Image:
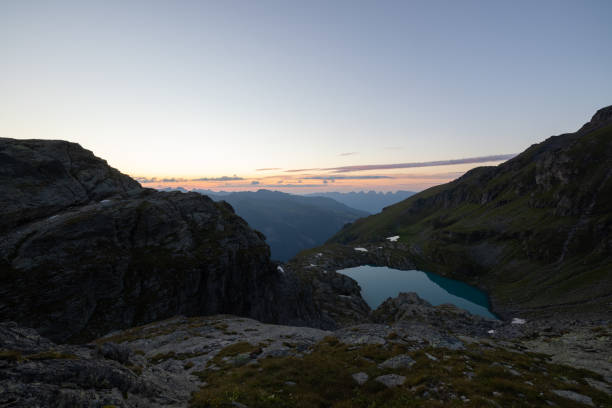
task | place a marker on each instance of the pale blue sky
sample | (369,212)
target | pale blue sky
(213,88)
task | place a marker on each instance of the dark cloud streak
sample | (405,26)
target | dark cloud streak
(224,178)
(346,177)
(469,160)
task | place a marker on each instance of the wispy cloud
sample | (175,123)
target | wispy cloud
(269,168)
(275,186)
(146,180)
(348,154)
(300,170)
(365,167)
(469,160)
(346,177)
(254,182)
(224,178)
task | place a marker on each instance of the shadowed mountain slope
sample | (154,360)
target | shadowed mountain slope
(535,231)
(371,202)
(291,223)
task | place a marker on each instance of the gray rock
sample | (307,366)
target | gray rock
(391,380)
(574,396)
(41,178)
(360,378)
(514,372)
(410,307)
(115,352)
(599,385)
(399,361)
(68,376)
(364,334)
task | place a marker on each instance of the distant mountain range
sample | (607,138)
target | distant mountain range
(291,223)
(371,202)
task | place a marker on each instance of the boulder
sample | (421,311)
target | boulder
(391,380)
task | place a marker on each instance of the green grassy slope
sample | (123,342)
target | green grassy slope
(534,231)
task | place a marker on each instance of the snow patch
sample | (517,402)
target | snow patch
(361,249)
(393,238)
(280,269)
(491,332)
(516,320)
(319,255)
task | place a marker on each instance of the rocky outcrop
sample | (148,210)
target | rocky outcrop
(151,366)
(410,307)
(84,250)
(35,372)
(39,178)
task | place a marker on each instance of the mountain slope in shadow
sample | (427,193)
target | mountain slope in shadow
(291,223)
(534,232)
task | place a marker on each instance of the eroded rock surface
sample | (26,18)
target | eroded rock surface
(39,178)
(150,366)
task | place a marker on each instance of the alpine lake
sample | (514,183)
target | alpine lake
(379,283)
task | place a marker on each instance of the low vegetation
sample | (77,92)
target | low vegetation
(480,376)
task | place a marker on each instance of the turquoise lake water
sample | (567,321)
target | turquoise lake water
(379,283)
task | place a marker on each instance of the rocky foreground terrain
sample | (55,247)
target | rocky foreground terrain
(416,355)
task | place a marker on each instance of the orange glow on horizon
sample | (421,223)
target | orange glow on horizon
(308,182)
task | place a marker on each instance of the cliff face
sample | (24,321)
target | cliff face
(535,231)
(85,250)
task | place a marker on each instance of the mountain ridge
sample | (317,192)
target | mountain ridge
(291,223)
(371,201)
(546,210)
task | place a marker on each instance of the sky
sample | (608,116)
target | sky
(235,95)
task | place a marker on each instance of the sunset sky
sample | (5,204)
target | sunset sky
(235,95)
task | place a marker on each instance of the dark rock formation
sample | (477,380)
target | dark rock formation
(35,372)
(85,250)
(410,307)
(39,178)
